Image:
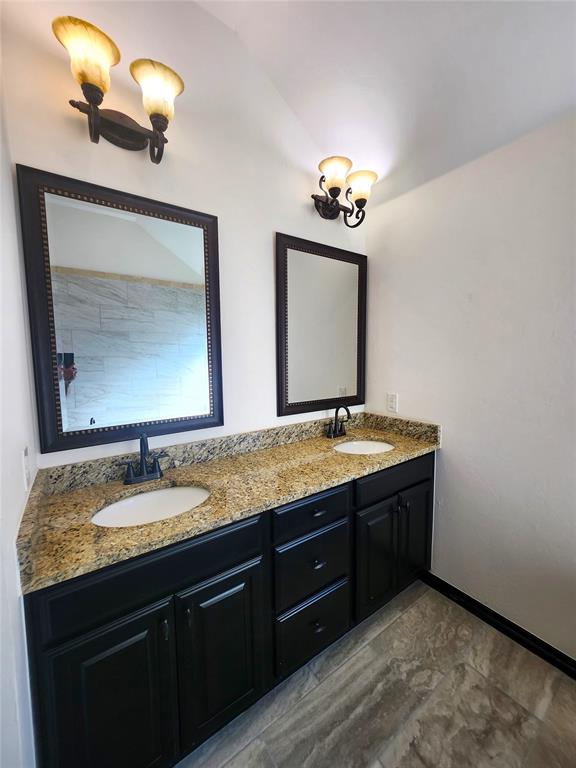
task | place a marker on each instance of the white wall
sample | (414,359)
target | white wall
(235,150)
(18,429)
(471,320)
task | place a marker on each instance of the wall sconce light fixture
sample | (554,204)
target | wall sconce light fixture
(92,54)
(336,177)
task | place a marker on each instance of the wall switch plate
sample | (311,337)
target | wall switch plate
(392,402)
(26,468)
(342,391)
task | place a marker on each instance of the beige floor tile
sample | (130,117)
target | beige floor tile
(236,735)
(466,723)
(255,755)
(525,677)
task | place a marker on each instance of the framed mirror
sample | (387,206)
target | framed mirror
(320,326)
(123,298)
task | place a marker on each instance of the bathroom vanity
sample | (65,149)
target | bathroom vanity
(136,663)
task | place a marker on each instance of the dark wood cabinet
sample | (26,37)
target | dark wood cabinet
(110,696)
(221,650)
(414,532)
(393,544)
(134,665)
(376,556)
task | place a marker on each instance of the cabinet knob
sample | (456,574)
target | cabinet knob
(318,564)
(317,628)
(165,629)
(318,513)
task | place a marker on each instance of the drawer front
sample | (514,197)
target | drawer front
(380,485)
(305,630)
(74,607)
(315,512)
(306,565)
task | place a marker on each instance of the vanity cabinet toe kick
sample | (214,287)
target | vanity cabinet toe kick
(135,665)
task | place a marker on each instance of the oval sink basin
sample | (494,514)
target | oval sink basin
(150,507)
(359,447)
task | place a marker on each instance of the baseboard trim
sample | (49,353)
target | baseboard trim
(547,652)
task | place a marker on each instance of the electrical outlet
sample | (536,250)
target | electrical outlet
(392,402)
(342,391)
(26,468)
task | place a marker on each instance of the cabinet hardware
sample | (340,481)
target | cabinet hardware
(317,627)
(319,513)
(188,615)
(165,629)
(318,564)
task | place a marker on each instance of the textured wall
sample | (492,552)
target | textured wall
(471,320)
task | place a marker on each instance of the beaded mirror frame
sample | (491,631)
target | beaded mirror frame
(33,185)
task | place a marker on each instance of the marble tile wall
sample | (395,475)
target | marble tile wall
(139,349)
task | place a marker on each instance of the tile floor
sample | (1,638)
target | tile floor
(421,684)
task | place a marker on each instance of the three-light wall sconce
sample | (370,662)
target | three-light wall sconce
(92,54)
(335,177)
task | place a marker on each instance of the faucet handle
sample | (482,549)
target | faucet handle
(129,470)
(341,428)
(330,430)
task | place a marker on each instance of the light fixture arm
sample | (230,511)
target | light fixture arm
(330,208)
(157,140)
(94,96)
(349,212)
(121,130)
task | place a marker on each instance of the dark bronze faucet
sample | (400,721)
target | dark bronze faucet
(336,428)
(144,470)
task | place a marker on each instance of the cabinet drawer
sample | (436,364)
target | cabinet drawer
(310,514)
(78,605)
(306,565)
(380,485)
(305,630)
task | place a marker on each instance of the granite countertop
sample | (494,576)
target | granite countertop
(58,541)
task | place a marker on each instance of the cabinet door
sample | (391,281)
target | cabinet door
(376,556)
(221,649)
(414,532)
(111,695)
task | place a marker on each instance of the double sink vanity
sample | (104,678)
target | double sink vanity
(145,639)
(166,593)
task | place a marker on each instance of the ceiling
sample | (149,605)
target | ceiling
(410,89)
(413,89)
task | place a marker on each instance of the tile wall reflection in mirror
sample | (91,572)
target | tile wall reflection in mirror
(129,313)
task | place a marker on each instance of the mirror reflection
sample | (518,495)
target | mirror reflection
(322,327)
(129,298)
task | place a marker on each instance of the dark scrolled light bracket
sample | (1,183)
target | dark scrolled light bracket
(329,207)
(336,177)
(120,129)
(92,54)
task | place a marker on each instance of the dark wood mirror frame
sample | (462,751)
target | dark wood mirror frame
(283,243)
(32,185)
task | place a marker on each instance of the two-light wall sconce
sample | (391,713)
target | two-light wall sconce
(336,177)
(92,54)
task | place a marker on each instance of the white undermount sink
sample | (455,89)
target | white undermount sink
(150,507)
(365,447)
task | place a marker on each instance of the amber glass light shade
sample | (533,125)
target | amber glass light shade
(360,182)
(335,169)
(92,52)
(160,85)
